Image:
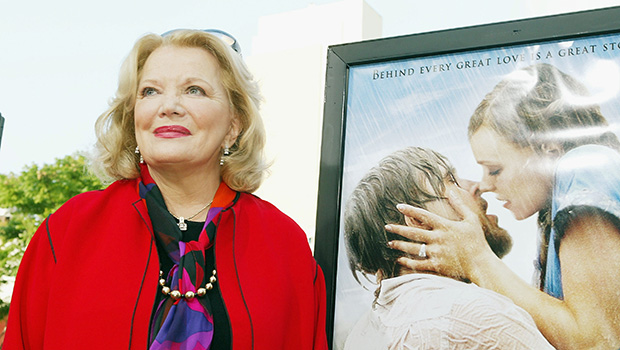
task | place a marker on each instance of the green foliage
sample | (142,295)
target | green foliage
(31,196)
(41,190)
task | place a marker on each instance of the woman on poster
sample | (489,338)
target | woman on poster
(545,149)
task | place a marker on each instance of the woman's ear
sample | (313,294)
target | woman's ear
(233,132)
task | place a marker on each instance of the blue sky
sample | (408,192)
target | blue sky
(59,60)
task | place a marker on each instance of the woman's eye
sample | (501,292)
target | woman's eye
(494,172)
(148,91)
(195,90)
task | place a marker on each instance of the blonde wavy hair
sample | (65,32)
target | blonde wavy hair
(115,157)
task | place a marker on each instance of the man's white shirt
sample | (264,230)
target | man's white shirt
(423,311)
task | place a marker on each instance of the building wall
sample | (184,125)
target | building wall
(289,59)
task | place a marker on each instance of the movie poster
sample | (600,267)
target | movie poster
(428,102)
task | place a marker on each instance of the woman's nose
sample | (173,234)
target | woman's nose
(486,185)
(170,106)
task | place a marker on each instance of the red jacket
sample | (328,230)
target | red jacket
(89,276)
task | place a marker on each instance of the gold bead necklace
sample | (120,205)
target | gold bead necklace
(176,294)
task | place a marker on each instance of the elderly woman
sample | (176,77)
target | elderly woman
(176,253)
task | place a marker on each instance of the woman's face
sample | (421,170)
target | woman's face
(520,177)
(182,112)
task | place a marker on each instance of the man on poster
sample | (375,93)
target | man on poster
(418,310)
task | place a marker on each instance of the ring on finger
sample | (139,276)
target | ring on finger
(422,252)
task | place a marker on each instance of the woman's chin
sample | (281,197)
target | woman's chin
(520,215)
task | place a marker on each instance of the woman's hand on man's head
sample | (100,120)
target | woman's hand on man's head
(453,248)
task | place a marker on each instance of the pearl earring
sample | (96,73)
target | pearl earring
(138,152)
(225,154)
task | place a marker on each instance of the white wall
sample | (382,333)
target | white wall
(289,59)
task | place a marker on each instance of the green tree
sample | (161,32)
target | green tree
(31,196)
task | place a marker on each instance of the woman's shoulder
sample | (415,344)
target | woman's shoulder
(591,154)
(256,210)
(253,203)
(92,200)
(588,162)
(83,209)
(588,176)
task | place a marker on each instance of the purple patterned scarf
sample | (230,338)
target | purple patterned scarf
(185,322)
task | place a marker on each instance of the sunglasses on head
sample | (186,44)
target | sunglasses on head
(222,35)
